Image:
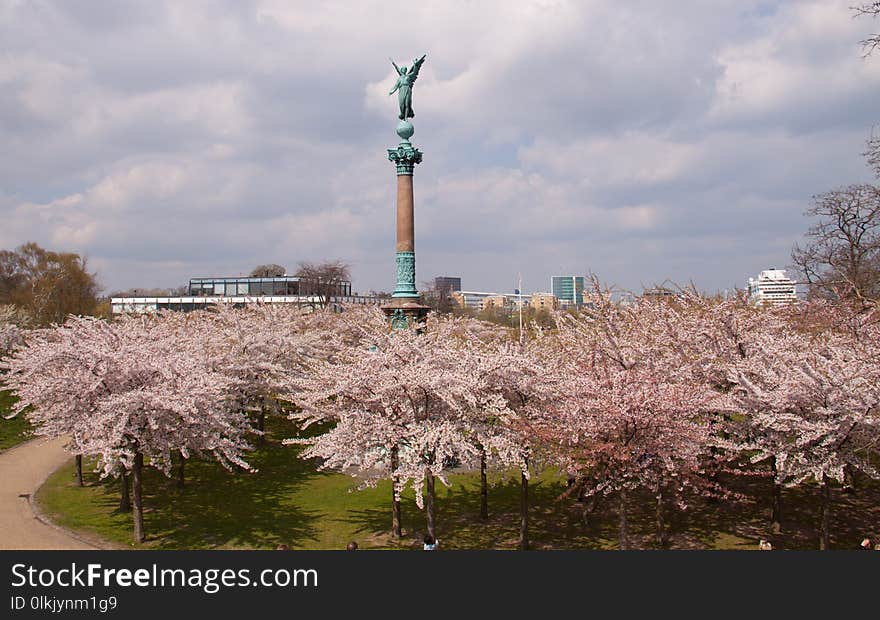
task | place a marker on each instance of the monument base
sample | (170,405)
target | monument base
(406,312)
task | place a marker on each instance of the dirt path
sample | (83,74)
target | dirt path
(22,470)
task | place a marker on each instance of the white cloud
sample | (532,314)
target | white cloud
(641,141)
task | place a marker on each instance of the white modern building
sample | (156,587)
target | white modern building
(137,305)
(240,291)
(773,286)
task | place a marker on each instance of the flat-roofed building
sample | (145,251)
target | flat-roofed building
(240,291)
(497,301)
(471,299)
(773,286)
(569,290)
(661,293)
(256,287)
(544,301)
(447,284)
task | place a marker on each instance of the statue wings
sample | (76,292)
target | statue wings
(414,70)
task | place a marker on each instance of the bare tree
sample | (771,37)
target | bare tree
(868,46)
(324,280)
(142,292)
(872,9)
(841,257)
(873,153)
(270,270)
(438,298)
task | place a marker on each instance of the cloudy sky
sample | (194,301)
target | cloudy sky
(639,140)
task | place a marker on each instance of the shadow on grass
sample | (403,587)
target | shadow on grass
(289,501)
(553,524)
(218,508)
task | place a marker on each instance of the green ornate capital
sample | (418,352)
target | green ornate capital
(399,320)
(405,156)
(406,275)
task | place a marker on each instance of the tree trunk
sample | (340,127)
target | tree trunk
(776,509)
(395,502)
(180,471)
(825,516)
(776,503)
(524,513)
(261,423)
(590,504)
(662,538)
(79,470)
(138,505)
(849,480)
(484,492)
(624,532)
(429,502)
(125,497)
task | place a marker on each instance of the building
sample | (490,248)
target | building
(472,299)
(544,301)
(258,287)
(498,301)
(448,284)
(661,293)
(480,300)
(515,300)
(239,291)
(568,290)
(772,286)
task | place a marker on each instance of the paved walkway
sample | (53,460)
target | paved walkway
(22,470)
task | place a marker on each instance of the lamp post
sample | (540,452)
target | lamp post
(522,339)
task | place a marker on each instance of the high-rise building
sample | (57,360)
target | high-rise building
(448,284)
(772,286)
(569,290)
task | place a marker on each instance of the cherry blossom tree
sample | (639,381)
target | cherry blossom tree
(810,390)
(140,388)
(382,395)
(410,406)
(634,409)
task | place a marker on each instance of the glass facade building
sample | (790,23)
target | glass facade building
(568,289)
(257,287)
(205,292)
(447,283)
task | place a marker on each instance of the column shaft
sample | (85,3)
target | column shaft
(405,214)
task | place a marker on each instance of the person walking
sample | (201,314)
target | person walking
(430,543)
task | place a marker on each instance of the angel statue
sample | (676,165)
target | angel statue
(405,81)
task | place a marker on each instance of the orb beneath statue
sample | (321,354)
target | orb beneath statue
(405,130)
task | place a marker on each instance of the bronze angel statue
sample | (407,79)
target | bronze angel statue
(405,81)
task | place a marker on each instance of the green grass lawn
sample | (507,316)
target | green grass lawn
(14,431)
(288,501)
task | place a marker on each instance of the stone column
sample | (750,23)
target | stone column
(404,309)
